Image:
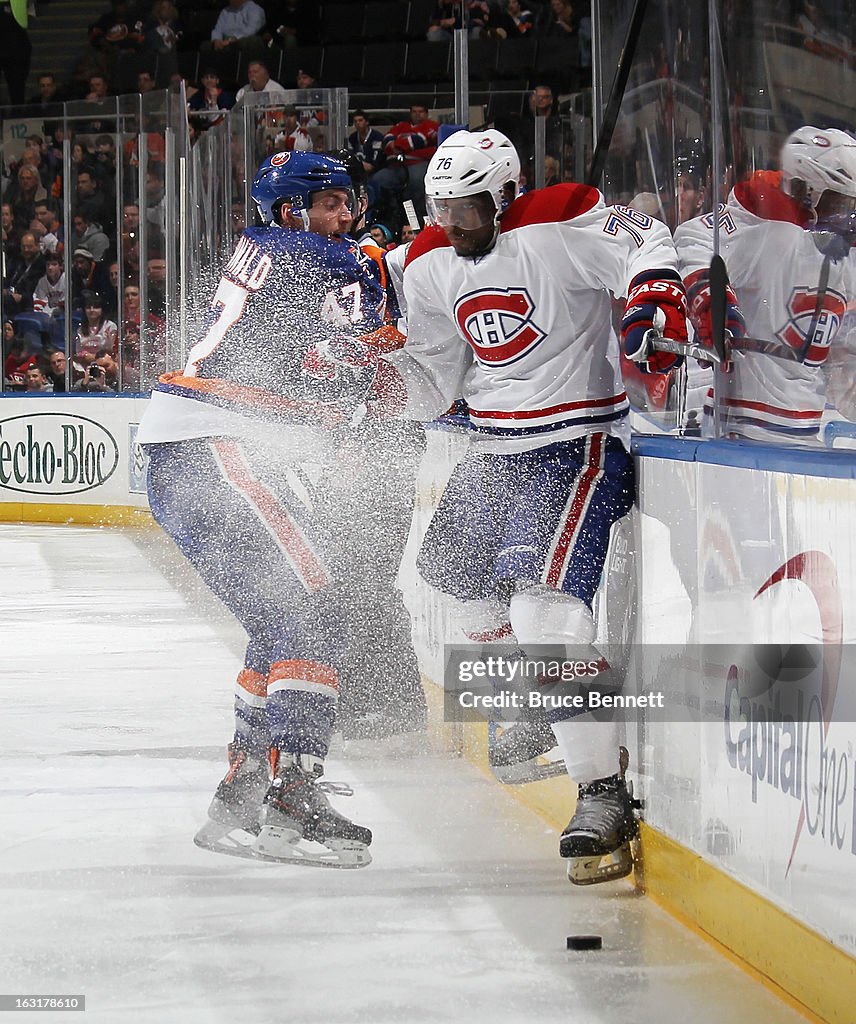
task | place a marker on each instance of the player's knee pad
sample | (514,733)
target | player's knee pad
(484,622)
(544,615)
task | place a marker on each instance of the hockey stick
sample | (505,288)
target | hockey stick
(616,94)
(760,346)
(718,284)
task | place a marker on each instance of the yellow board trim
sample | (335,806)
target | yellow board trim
(796,964)
(88,515)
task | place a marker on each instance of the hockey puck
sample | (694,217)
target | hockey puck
(585,942)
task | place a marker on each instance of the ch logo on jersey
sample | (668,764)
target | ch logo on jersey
(801,306)
(497,322)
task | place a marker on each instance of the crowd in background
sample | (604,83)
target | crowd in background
(102,297)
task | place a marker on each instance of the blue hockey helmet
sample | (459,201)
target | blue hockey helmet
(293,178)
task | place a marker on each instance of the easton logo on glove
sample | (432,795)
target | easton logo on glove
(656,299)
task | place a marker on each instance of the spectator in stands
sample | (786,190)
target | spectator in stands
(162,33)
(15,52)
(238,25)
(117,31)
(96,332)
(447,16)
(131,220)
(99,89)
(87,275)
(17,357)
(88,235)
(408,146)
(211,96)
(49,92)
(80,158)
(557,20)
(11,232)
(22,276)
(820,36)
(691,196)
(542,102)
(104,166)
(131,327)
(23,193)
(514,22)
(56,370)
(93,203)
(145,82)
(101,375)
(292,23)
(382,236)
(49,293)
(292,135)
(155,198)
(306,79)
(47,227)
(156,268)
(36,380)
(260,82)
(367,143)
(406,235)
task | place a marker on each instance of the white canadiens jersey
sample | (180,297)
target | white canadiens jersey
(774,267)
(524,334)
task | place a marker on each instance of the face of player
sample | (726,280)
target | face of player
(469,222)
(690,198)
(331,213)
(837,213)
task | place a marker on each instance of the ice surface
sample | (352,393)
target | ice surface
(116,710)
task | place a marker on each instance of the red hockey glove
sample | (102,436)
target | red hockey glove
(655,300)
(698,297)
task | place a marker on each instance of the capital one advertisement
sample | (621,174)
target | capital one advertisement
(747,620)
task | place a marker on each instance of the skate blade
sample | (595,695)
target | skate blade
(593,870)
(287,846)
(533,770)
(231,841)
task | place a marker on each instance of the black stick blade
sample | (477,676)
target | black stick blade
(718,287)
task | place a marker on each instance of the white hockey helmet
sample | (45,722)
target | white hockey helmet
(816,160)
(468,163)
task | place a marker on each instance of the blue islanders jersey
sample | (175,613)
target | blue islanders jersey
(282,293)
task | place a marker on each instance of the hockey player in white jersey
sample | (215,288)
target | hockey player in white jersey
(786,238)
(508,306)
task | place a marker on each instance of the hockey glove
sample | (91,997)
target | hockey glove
(656,300)
(698,297)
(340,368)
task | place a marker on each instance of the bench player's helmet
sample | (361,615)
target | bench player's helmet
(294,178)
(819,171)
(467,164)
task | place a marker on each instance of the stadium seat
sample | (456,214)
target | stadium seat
(343,66)
(342,23)
(418,17)
(481,57)
(384,63)
(385,20)
(428,61)
(515,58)
(558,61)
(297,58)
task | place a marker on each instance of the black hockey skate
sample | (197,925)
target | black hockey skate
(233,817)
(516,755)
(299,826)
(597,839)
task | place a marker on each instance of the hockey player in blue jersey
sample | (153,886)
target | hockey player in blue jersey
(233,440)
